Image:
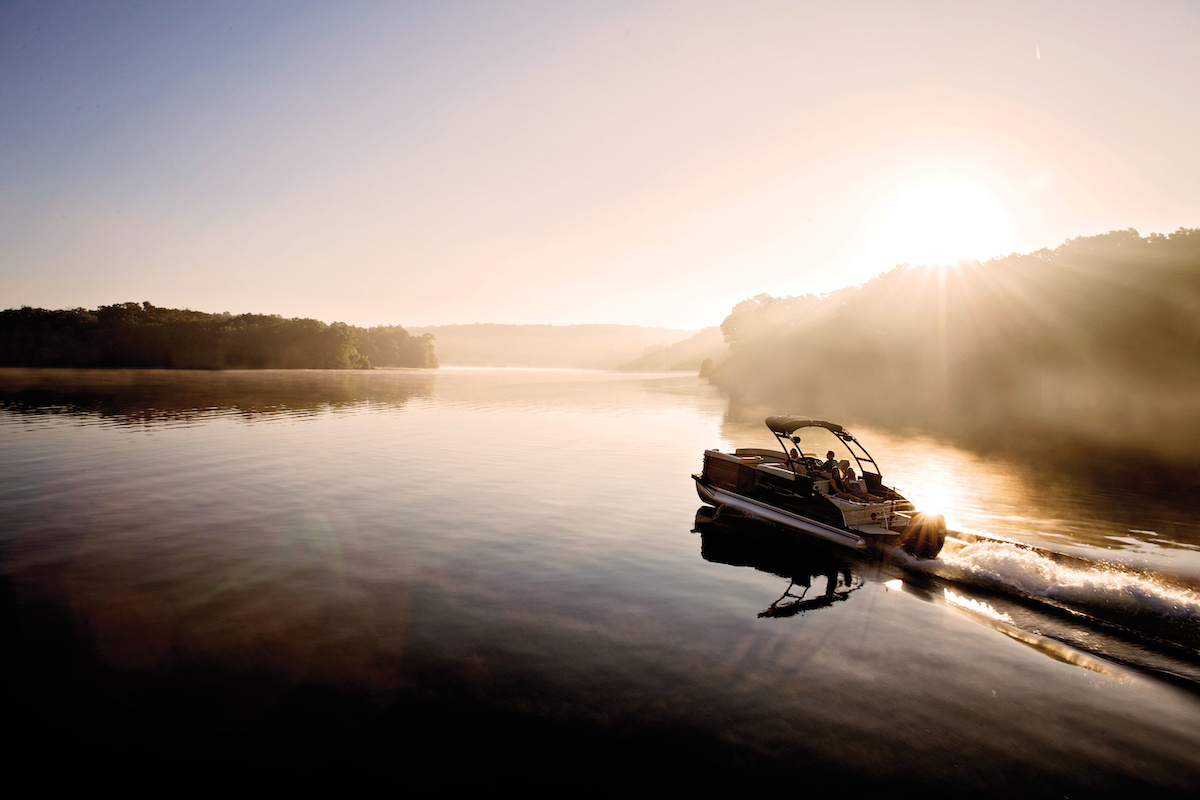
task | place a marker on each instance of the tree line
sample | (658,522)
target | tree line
(1096,339)
(140,335)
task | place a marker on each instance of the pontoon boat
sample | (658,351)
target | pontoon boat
(790,489)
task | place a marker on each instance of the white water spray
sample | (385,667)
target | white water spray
(1034,574)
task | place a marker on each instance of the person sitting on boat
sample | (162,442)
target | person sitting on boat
(830,464)
(846,486)
(855,486)
(799,461)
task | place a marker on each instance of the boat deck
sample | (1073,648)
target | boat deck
(869,518)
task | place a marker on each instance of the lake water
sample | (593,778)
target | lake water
(494,578)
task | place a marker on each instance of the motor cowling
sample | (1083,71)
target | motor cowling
(924,535)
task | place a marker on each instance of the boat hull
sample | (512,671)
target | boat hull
(716,496)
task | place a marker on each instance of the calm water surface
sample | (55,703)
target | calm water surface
(487,576)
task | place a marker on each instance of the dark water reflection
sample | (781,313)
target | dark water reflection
(492,578)
(163,397)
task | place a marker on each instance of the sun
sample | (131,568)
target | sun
(940,219)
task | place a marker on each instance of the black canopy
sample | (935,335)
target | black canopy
(786,426)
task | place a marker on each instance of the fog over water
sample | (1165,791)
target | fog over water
(1089,346)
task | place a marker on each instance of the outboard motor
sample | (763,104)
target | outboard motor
(924,535)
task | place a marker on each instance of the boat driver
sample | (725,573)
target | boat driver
(830,464)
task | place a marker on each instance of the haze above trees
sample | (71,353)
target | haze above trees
(1097,339)
(629,347)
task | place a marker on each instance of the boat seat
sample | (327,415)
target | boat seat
(761,453)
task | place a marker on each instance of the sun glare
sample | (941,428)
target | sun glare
(941,220)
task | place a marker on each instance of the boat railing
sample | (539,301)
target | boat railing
(889,514)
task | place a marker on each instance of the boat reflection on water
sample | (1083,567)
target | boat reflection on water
(742,541)
(838,586)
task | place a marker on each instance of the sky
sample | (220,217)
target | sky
(647,163)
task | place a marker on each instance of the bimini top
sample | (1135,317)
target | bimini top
(788,425)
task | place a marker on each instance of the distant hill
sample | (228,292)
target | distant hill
(559,346)
(688,355)
(1096,340)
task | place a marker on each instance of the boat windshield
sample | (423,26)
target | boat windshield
(786,428)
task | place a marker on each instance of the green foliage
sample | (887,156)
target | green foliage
(143,336)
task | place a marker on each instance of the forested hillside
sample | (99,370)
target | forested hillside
(1098,339)
(141,335)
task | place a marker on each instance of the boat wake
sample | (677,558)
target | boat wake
(1080,583)
(1046,599)
(1087,612)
